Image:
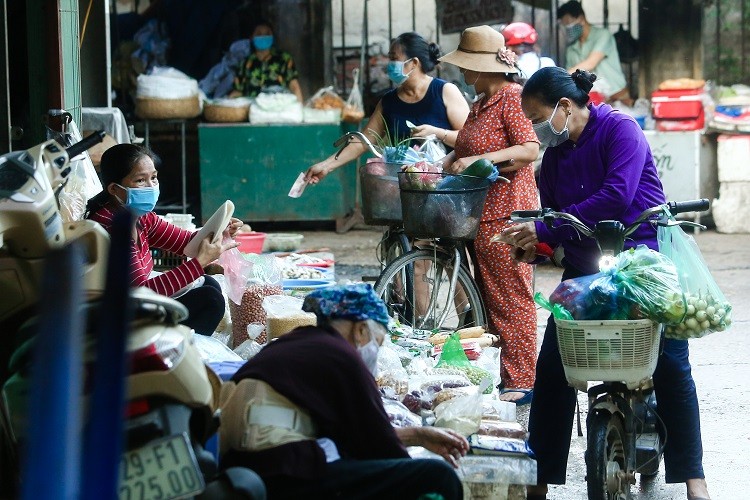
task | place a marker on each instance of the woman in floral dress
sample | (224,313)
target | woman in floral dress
(497,130)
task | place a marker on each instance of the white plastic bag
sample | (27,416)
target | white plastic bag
(165,82)
(283,314)
(354,109)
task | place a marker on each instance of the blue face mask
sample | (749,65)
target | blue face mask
(395,71)
(573,33)
(263,42)
(141,200)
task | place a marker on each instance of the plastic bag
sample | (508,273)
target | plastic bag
(557,310)
(453,356)
(284,314)
(391,373)
(212,349)
(463,414)
(707,308)
(237,272)
(399,415)
(641,284)
(248,349)
(354,109)
(432,149)
(325,99)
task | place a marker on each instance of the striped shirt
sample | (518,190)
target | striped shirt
(155,232)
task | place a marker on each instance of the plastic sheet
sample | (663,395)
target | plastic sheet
(212,349)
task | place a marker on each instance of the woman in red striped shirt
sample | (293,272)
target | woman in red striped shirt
(130,180)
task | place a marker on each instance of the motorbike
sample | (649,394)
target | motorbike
(625,435)
(171,402)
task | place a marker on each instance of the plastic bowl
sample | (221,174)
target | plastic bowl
(250,242)
(282,242)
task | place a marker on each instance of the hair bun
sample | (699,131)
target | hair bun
(584,80)
(434,50)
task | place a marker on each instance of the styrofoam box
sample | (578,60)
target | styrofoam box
(733,158)
(734,197)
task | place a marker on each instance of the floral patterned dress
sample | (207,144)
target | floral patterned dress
(255,74)
(493,124)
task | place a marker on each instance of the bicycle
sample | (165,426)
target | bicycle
(621,441)
(442,295)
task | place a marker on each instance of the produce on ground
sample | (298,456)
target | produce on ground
(250,311)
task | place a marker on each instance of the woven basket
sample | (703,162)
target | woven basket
(165,109)
(225,114)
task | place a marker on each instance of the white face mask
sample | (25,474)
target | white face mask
(369,354)
(547,134)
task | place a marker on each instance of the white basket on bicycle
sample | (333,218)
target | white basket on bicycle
(609,351)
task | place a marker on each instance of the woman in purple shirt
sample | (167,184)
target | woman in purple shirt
(597,166)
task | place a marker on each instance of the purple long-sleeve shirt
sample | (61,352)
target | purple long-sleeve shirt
(607,174)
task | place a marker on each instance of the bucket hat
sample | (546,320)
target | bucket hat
(482,49)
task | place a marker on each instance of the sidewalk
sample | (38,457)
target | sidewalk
(721,364)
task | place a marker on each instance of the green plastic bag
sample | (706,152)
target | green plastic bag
(557,310)
(707,308)
(453,356)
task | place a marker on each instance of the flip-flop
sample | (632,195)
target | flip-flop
(528,395)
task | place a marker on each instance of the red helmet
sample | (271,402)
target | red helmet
(518,33)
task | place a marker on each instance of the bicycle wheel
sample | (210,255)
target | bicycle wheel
(415,288)
(605,458)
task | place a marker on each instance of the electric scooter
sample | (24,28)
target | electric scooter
(171,395)
(623,431)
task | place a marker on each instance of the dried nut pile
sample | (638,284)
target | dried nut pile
(251,311)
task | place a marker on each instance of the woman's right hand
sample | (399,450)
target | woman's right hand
(209,252)
(317,172)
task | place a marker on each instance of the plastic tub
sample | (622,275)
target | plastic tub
(381,201)
(282,242)
(431,211)
(250,242)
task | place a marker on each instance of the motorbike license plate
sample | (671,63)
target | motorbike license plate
(164,469)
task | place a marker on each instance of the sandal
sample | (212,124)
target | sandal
(528,395)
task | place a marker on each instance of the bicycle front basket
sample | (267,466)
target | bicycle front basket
(431,210)
(609,351)
(381,202)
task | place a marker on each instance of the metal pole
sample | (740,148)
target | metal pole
(390,21)
(184,160)
(5,135)
(743,20)
(413,15)
(343,48)
(718,42)
(605,8)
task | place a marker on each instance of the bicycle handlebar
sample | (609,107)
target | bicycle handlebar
(548,216)
(84,144)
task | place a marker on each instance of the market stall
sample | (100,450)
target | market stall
(255,165)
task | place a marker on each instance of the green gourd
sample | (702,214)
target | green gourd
(480,168)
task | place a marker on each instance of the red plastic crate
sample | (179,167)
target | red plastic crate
(681,125)
(677,104)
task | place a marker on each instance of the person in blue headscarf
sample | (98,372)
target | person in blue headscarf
(307,415)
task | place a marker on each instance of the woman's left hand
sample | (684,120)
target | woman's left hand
(521,235)
(459,165)
(233,226)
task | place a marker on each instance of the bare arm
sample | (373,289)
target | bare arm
(354,150)
(457,110)
(523,154)
(590,63)
(296,89)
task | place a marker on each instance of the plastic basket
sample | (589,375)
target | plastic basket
(433,212)
(608,351)
(381,200)
(165,260)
